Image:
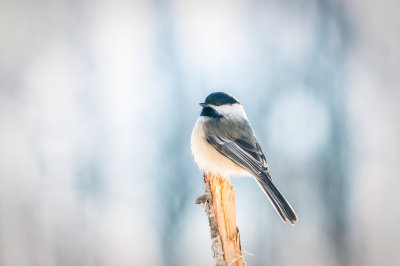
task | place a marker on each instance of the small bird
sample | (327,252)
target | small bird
(224,143)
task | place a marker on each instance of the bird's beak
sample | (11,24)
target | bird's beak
(203,104)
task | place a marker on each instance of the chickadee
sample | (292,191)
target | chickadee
(223,143)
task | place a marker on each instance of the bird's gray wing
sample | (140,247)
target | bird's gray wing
(247,154)
(254,150)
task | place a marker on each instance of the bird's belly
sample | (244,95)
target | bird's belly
(208,158)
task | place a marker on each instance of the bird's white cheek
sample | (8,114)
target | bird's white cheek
(234,111)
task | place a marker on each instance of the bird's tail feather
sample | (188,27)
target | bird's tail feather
(281,205)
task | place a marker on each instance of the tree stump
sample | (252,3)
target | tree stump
(219,204)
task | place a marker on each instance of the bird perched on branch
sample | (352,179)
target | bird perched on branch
(224,143)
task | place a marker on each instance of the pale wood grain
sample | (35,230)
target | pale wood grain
(219,203)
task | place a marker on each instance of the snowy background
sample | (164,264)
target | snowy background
(97,103)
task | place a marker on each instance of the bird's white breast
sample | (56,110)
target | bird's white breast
(208,158)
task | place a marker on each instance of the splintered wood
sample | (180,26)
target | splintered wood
(219,204)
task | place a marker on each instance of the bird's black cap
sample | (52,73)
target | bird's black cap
(220,98)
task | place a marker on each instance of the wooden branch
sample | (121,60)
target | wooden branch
(219,204)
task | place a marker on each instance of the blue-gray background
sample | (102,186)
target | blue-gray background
(97,103)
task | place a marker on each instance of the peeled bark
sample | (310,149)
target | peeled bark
(219,204)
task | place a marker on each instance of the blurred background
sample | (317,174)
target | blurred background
(97,103)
